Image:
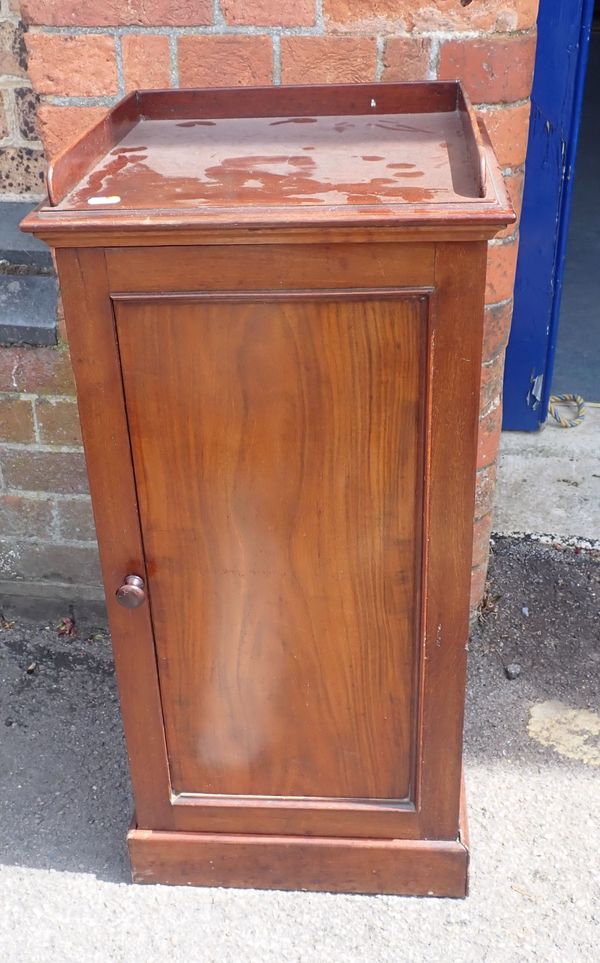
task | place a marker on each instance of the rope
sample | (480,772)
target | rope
(560,400)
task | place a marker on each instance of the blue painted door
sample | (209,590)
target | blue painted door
(563,40)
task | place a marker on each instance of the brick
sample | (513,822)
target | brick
(492,375)
(225,61)
(493,69)
(406,58)
(30,517)
(327,59)
(75,564)
(44,371)
(484,490)
(13,55)
(72,66)
(269,13)
(16,420)
(22,169)
(110,13)
(481,540)
(357,12)
(26,105)
(75,519)
(488,15)
(508,127)
(58,422)
(514,185)
(60,126)
(501,267)
(496,329)
(488,438)
(478,583)
(44,471)
(146,61)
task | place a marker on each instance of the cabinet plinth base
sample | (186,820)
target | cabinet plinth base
(394,866)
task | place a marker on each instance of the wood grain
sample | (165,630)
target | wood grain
(409,867)
(452,450)
(281,536)
(473,140)
(299,815)
(299,100)
(93,345)
(294,266)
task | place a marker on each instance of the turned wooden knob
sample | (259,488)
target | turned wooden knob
(131,593)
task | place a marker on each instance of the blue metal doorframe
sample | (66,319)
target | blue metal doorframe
(556,98)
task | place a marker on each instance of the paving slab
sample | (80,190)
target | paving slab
(549,481)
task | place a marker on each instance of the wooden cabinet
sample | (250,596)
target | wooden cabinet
(274,301)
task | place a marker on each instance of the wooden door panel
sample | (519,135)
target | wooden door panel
(276,448)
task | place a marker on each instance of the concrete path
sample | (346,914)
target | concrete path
(533,776)
(549,481)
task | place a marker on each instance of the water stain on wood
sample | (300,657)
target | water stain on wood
(353,160)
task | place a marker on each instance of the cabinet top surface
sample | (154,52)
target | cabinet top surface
(350,155)
(348,160)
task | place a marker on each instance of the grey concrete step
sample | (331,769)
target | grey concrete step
(28,289)
(28,309)
(15,246)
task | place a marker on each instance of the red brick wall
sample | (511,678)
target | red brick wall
(85,54)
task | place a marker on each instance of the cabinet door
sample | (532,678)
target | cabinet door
(278,462)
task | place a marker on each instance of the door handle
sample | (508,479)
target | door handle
(132,592)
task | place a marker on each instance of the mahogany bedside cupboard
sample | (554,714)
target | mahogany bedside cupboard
(274,304)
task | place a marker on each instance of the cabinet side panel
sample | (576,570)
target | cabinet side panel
(94,353)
